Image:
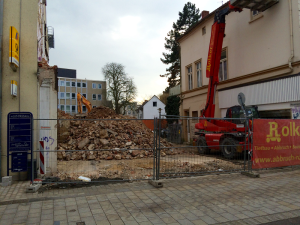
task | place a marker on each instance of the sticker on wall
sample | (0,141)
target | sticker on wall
(14,88)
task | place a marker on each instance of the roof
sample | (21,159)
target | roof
(150,100)
(202,21)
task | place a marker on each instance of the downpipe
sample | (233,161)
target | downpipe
(291,37)
(1,36)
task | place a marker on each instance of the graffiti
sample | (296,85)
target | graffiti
(48,139)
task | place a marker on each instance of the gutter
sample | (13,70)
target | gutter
(1,36)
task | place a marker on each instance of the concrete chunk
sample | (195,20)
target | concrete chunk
(33,188)
(156,183)
(6,179)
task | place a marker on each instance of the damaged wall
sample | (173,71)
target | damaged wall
(47,79)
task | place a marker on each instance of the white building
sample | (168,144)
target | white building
(149,110)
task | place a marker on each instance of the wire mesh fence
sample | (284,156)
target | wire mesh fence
(219,146)
(95,149)
(73,150)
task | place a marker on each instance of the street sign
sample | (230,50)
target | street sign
(19,140)
(19,162)
(241,98)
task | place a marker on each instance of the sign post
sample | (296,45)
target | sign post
(19,140)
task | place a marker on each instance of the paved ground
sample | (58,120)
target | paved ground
(217,199)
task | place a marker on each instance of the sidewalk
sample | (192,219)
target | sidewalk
(216,199)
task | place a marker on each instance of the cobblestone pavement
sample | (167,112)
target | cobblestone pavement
(215,199)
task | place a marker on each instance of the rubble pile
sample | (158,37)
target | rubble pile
(122,138)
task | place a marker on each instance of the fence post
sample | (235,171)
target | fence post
(154,150)
(159,130)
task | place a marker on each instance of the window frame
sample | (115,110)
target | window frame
(67,108)
(73,106)
(98,97)
(83,84)
(69,95)
(198,82)
(94,106)
(95,97)
(62,83)
(78,84)
(84,95)
(99,86)
(74,96)
(222,66)
(67,84)
(93,85)
(62,94)
(189,77)
(73,82)
(84,108)
(62,106)
(204,30)
(154,104)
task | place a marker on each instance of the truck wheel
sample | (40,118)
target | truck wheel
(229,147)
(202,146)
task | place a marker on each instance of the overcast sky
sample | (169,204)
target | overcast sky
(91,33)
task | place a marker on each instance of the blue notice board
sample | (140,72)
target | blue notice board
(19,139)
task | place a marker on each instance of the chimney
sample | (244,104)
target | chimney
(204,14)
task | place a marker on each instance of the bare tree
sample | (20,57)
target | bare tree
(121,89)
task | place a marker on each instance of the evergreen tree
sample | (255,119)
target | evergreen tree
(188,17)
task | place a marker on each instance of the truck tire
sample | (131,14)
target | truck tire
(202,146)
(229,147)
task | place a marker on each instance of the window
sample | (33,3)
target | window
(84,95)
(73,108)
(154,104)
(199,74)
(84,108)
(94,85)
(62,108)
(129,112)
(94,96)
(190,78)
(67,95)
(83,84)
(62,83)
(67,108)
(73,96)
(94,106)
(73,84)
(78,84)
(99,97)
(68,84)
(254,13)
(99,86)
(203,30)
(62,95)
(223,66)
(195,116)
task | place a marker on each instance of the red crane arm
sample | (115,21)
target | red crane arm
(214,56)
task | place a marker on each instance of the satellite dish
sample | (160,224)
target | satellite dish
(241,98)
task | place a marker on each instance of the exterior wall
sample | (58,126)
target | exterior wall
(24,19)
(48,110)
(88,90)
(256,50)
(149,112)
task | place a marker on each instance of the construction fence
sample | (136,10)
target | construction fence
(124,149)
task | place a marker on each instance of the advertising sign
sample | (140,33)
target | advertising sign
(14,46)
(276,143)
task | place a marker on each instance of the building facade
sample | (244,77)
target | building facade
(150,109)
(23,23)
(93,90)
(260,57)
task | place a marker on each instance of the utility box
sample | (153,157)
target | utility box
(258,5)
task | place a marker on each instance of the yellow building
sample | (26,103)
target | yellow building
(29,20)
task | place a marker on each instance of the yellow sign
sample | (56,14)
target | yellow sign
(14,46)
